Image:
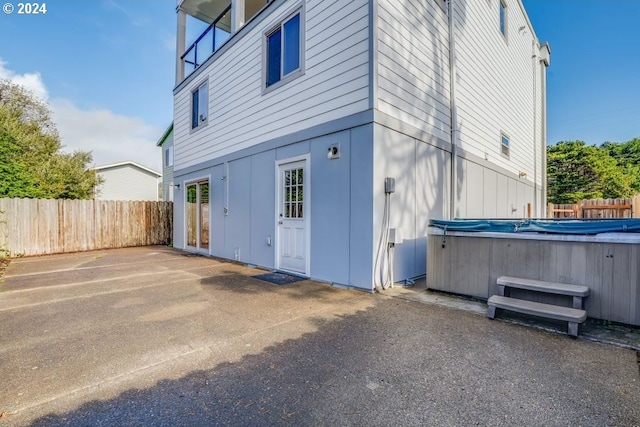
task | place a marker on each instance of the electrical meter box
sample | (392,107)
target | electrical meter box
(389,185)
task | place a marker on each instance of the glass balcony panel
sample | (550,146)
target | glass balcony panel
(189,62)
(223,30)
(251,7)
(210,40)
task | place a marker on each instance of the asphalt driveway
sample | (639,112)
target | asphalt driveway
(154,337)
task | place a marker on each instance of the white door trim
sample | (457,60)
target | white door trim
(306,207)
(183,188)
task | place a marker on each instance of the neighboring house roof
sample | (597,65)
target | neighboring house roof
(164,136)
(127,163)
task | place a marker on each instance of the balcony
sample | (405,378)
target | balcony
(223,18)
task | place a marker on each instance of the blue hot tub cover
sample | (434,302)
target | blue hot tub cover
(540,225)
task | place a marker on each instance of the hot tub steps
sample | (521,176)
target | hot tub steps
(578,292)
(574,316)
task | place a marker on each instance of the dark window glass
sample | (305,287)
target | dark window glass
(503,18)
(273,57)
(194,109)
(291,45)
(505,145)
(203,94)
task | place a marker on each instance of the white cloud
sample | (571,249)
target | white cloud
(31,81)
(109,136)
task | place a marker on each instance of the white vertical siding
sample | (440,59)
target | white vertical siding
(127,182)
(421,172)
(485,193)
(335,83)
(413,64)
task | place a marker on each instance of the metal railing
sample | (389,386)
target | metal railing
(193,57)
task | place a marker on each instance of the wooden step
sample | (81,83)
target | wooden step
(572,315)
(541,286)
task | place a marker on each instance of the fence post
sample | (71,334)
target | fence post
(550,210)
(635,206)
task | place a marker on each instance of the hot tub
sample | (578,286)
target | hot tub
(467,256)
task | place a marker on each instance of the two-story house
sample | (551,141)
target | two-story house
(166,144)
(320,136)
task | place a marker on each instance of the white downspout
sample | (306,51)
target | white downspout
(545,61)
(453,110)
(535,65)
(543,139)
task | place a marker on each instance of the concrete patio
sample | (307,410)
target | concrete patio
(155,337)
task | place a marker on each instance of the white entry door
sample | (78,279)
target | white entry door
(293,217)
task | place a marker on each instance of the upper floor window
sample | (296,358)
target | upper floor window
(504,145)
(168,156)
(199,106)
(503,17)
(284,46)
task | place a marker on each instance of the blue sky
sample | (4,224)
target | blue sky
(593,86)
(107,69)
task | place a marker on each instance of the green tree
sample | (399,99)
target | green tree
(31,162)
(627,154)
(579,171)
(15,181)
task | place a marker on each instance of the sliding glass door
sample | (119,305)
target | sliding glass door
(198,215)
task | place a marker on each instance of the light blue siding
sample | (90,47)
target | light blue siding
(331,209)
(217,198)
(263,206)
(361,220)
(237,223)
(340,196)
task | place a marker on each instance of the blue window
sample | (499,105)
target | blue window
(291,57)
(504,145)
(503,18)
(274,47)
(283,50)
(199,106)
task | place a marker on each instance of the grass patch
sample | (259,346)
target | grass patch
(4,261)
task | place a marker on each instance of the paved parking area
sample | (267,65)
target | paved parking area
(154,337)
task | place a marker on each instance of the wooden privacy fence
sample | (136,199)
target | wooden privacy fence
(597,208)
(38,226)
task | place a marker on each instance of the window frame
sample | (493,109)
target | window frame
(292,75)
(197,89)
(503,137)
(168,156)
(503,25)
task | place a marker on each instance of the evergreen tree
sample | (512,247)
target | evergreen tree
(578,171)
(31,162)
